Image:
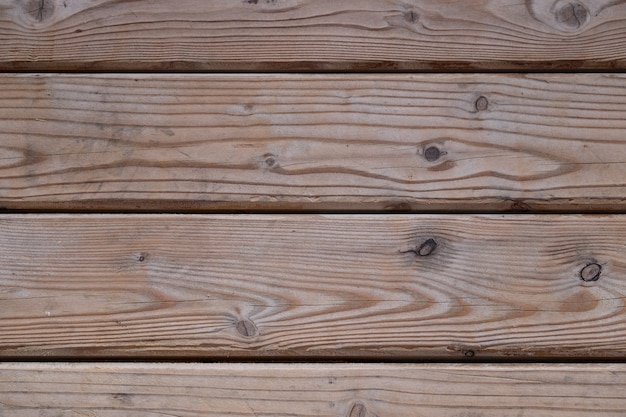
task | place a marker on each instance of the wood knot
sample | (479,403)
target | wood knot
(591,272)
(573,15)
(358,410)
(411,16)
(270,160)
(432,153)
(40,10)
(481,103)
(469,353)
(246,328)
(425,249)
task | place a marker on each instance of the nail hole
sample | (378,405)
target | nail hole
(482,103)
(591,272)
(432,153)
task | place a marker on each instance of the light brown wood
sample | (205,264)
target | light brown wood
(313,142)
(334,286)
(316,35)
(341,390)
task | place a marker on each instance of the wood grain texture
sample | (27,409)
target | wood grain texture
(334,286)
(320,35)
(313,142)
(333,390)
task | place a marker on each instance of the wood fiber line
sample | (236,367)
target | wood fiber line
(333,286)
(313,142)
(341,390)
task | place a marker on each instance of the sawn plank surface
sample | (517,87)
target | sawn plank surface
(315,390)
(307,286)
(419,143)
(313,35)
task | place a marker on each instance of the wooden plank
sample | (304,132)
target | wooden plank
(313,142)
(315,35)
(343,390)
(333,286)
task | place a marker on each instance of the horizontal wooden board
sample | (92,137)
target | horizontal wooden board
(320,35)
(313,142)
(341,390)
(316,286)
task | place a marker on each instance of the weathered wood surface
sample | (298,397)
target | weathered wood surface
(316,35)
(311,142)
(334,286)
(341,390)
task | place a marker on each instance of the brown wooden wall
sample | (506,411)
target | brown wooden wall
(370,208)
